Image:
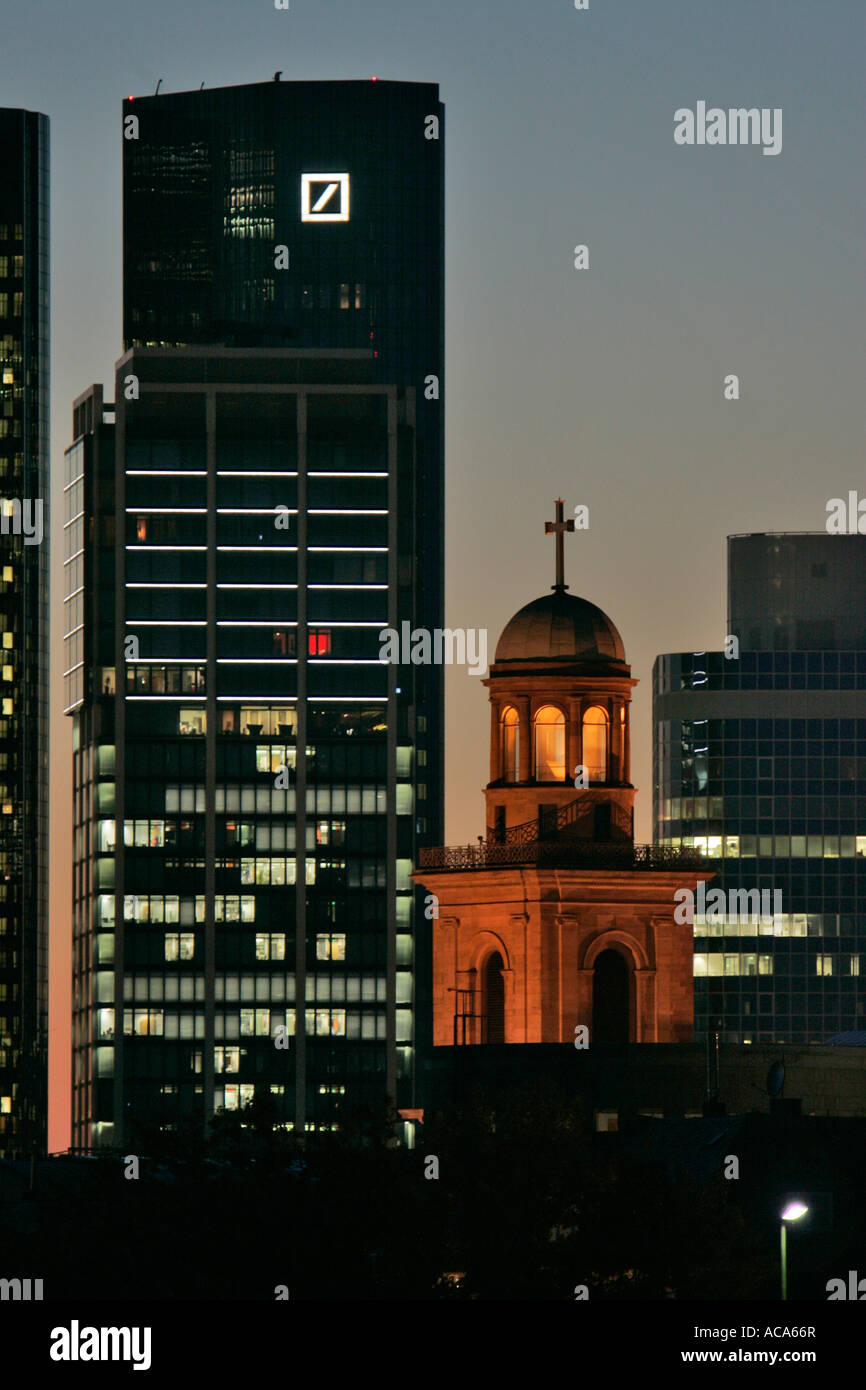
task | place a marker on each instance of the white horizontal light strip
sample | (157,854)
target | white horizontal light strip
(139,585)
(258,511)
(346,475)
(175,699)
(278,622)
(346,586)
(168,511)
(374,700)
(260,701)
(256,661)
(331,622)
(259,586)
(245,473)
(165,622)
(346,661)
(348,549)
(260,549)
(350,511)
(166,547)
(166,472)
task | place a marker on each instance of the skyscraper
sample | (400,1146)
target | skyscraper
(757,764)
(304,215)
(252,782)
(24,440)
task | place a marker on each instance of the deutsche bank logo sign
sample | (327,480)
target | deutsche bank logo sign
(324,197)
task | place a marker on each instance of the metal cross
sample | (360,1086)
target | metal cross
(559,527)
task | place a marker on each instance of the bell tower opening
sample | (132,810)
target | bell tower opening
(549,745)
(509,744)
(595,743)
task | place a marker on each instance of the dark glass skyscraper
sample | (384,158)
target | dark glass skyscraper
(252,783)
(24,497)
(304,215)
(758,763)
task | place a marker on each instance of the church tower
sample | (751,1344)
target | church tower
(556,920)
(560,690)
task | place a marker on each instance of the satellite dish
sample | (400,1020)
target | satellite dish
(775,1079)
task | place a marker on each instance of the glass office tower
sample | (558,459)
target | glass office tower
(758,762)
(251,782)
(305,215)
(24,501)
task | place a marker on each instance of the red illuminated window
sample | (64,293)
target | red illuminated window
(319,641)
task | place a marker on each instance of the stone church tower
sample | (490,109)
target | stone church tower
(556,918)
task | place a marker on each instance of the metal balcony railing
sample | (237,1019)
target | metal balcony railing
(562,853)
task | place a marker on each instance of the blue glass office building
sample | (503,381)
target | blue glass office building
(758,762)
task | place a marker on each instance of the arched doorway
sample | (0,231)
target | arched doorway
(493,999)
(610,998)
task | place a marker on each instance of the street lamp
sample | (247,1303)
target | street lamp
(793,1211)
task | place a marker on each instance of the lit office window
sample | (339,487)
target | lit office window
(227,1059)
(270,946)
(331,946)
(192,721)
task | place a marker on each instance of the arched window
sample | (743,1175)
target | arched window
(493,999)
(595,743)
(509,737)
(611,988)
(549,745)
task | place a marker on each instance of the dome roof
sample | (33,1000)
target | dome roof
(560,627)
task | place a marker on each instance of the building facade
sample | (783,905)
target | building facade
(304,215)
(556,920)
(250,778)
(252,782)
(757,764)
(24,505)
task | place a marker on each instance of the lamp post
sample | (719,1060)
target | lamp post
(793,1211)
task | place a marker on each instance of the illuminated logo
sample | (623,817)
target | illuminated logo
(324,197)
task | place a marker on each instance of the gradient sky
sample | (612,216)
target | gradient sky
(603,386)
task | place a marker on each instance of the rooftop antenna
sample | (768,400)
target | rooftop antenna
(278,75)
(201,88)
(158,85)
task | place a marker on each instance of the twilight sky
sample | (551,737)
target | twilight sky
(604,385)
